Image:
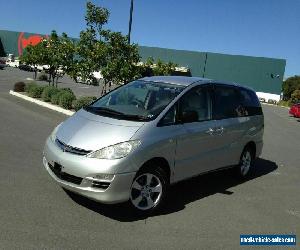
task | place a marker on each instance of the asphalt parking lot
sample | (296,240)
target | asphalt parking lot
(207,212)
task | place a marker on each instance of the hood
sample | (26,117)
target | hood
(88,131)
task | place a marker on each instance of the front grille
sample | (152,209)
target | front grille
(67,148)
(56,169)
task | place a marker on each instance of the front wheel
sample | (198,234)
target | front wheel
(148,190)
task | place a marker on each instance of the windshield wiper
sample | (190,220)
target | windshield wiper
(136,117)
(120,115)
(99,110)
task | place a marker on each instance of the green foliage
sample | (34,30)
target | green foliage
(33,55)
(284,103)
(43,77)
(289,86)
(48,92)
(36,91)
(29,86)
(67,89)
(66,99)
(19,87)
(83,102)
(295,97)
(122,59)
(160,68)
(55,97)
(96,16)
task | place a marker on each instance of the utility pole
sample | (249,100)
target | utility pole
(130,20)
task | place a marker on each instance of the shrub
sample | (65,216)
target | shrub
(83,102)
(48,92)
(43,77)
(67,89)
(29,86)
(36,91)
(19,87)
(284,103)
(290,85)
(66,99)
(295,97)
(55,97)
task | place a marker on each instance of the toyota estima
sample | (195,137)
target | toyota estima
(135,141)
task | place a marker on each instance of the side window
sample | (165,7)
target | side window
(226,103)
(250,102)
(197,101)
(169,118)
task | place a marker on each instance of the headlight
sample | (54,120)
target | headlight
(53,134)
(116,151)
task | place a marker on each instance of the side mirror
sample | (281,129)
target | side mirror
(189,116)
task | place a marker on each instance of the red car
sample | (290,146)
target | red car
(294,110)
(297,111)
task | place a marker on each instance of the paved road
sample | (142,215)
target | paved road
(208,212)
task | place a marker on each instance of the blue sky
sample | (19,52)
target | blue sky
(267,28)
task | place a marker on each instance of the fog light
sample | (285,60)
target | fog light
(104,177)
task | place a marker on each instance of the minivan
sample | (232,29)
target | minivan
(134,142)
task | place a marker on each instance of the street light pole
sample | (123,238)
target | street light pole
(130,20)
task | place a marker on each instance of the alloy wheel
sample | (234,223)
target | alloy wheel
(245,164)
(146,191)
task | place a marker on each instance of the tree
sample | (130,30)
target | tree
(33,56)
(57,54)
(122,60)
(295,97)
(289,86)
(90,48)
(102,50)
(67,52)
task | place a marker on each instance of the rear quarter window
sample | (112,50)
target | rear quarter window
(250,102)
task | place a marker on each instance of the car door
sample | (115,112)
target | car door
(196,147)
(230,124)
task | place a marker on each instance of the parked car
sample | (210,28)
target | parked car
(2,64)
(25,67)
(94,79)
(293,109)
(14,64)
(272,101)
(132,143)
(297,111)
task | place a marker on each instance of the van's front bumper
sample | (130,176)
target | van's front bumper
(80,174)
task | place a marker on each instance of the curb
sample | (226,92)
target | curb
(269,104)
(41,103)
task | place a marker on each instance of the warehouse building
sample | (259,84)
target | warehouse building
(263,74)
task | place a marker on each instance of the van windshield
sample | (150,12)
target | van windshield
(138,100)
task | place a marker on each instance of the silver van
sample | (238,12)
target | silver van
(135,141)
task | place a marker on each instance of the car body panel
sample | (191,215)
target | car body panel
(92,132)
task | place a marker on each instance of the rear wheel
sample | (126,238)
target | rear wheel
(148,190)
(246,162)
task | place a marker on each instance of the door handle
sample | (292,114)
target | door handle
(219,130)
(210,131)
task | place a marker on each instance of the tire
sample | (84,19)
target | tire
(245,165)
(149,190)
